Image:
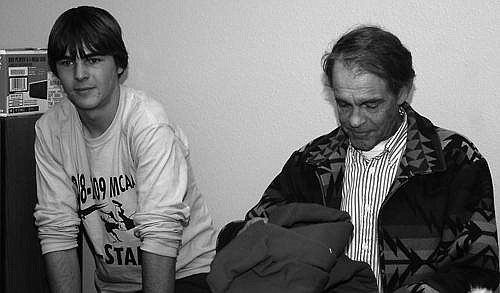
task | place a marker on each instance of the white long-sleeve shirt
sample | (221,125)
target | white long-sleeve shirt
(131,187)
(368,179)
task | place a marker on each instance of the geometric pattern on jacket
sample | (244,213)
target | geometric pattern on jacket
(436,225)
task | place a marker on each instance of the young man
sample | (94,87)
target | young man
(110,161)
(420,197)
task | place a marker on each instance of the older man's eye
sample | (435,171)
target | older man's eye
(341,104)
(371,105)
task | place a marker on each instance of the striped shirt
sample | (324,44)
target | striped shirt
(368,178)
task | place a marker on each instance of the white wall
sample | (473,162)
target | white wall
(243,78)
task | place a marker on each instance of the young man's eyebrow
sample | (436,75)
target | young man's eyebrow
(84,56)
(90,55)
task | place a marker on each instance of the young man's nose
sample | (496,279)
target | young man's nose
(81,70)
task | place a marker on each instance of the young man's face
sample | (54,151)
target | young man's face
(367,110)
(91,81)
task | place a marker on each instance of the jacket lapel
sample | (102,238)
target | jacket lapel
(328,155)
(423,153)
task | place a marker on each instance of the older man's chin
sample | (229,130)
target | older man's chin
(361,145)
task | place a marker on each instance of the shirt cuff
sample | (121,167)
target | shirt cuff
(58,240)
(161,247)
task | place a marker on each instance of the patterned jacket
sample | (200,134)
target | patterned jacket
(436,225)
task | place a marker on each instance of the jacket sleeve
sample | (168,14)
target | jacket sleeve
(470,257)
(56,210)
(295,183)
(277,193)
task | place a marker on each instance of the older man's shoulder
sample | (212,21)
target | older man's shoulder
(454,143)
(329,140)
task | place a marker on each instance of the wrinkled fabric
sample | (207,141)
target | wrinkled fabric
(294,252)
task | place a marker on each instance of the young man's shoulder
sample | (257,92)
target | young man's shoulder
(143,107)
(143,112)
(57,118)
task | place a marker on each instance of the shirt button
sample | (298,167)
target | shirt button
(371,170)
(365,246)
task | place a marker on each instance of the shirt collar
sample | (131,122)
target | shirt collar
(398,140)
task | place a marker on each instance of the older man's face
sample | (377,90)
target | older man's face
(367,110)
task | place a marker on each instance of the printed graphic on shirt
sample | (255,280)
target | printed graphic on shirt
(122,255)
(100,188)
(101,198)
(116,220)
(83,213)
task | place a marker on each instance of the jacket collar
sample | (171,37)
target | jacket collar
(423,153)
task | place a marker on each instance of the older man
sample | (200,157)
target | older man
(420,196)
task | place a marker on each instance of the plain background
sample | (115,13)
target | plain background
(243,79)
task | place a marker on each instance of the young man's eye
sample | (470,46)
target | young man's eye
(93,60)
(65,62)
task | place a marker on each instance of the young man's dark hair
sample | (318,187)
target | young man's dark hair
(86,27)
(371,49)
